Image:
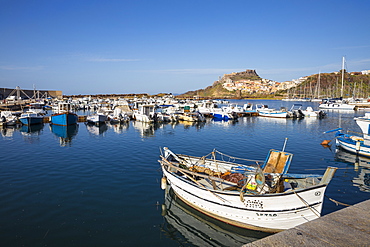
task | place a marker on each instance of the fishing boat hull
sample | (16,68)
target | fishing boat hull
(296,199)
(31,118)
(353,144)
(364,123)
(97,119)
(275,114)
(268,213)
(64,119)
(222,116)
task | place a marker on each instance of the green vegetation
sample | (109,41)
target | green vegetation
(330,85)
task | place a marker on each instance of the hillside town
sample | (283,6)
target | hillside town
(254,84)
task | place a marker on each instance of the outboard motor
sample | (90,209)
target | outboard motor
(300,114)
(322,114)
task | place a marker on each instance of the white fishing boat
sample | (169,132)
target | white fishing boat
(265,111)
(353,144)
(233,108)
(207,107)
(249,194)
(98,118)
(248,108)
(145,113)
(118,116)
(7,118)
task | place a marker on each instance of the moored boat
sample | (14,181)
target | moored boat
(29,118)
(333,105)
(8,118)
(98,118)
(353,144)
(265,111)
(249,194)
(364,123)
(64,116)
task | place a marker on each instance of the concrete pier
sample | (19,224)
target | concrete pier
(346,227)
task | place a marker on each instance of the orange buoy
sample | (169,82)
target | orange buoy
(325,142)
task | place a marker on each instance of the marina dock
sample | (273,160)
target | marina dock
(346,227)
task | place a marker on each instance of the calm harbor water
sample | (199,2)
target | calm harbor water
(100,186)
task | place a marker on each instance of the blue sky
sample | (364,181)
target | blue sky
(155,46)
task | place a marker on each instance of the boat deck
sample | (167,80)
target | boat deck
(346,227)
(217,185)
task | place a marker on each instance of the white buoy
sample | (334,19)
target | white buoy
(163,183)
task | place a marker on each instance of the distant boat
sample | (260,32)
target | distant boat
(265,111)
(191,117)
(224,116)
(7,118)
(246,193)
(64,116)
(145,113)
(98,118)
(248,108)
(296,111)
(338,104)
(29,118)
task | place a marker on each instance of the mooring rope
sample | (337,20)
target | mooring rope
(235,158)
(308,205)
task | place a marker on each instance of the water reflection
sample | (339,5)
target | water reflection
(65,133)
(197,125)
(119,128)
(225,123)
(31,133)
(361,167)
(96,129)
(145,129)
(8,131)
(186,225)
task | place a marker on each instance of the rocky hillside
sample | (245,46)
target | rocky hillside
(218,91)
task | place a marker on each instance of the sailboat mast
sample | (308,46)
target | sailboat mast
(341,91)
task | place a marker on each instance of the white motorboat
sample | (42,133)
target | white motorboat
(98,118)
(265,111)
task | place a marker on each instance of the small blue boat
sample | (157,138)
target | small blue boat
(223,116)
(31,118)
(64,117)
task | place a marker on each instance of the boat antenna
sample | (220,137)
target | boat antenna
(286,139)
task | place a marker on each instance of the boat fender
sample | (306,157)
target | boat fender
(163,183)
(164,210)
